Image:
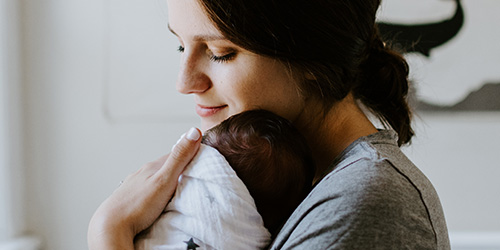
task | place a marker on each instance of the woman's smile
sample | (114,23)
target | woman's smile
(207,111)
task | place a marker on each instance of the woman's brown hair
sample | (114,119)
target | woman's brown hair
(335,43)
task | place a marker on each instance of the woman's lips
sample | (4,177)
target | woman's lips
(206,111)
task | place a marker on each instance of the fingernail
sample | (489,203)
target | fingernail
(193,134)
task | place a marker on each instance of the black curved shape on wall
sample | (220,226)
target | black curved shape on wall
(422,38)
(486,98)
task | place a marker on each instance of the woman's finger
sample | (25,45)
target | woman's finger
(182,153)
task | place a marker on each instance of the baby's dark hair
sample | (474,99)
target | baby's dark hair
(271,157)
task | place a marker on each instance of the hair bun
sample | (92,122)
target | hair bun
(383,86)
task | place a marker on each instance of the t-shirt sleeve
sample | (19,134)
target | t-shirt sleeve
(366,206)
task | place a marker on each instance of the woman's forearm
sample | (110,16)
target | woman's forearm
(111,241)
(103,235)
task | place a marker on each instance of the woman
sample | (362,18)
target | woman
(319,64)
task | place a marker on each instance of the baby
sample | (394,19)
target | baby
(250,174)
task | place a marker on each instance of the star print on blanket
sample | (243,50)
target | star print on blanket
(191,245)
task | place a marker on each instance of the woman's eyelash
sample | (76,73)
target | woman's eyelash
(224,58)
(220,59)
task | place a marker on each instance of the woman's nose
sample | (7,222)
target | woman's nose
(192,77)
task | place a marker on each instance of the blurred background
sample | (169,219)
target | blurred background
(87,95)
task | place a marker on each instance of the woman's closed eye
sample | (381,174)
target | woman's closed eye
(213,57)
(224,58)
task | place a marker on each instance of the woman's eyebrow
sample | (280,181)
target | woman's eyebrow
(207,37)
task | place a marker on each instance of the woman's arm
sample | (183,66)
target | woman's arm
(141,198)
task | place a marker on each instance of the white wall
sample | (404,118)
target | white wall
(76,151)
(13,228)
(9,73)
(84,133)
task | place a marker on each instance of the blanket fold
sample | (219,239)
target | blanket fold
(211,209)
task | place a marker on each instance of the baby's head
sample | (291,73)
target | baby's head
(271,157)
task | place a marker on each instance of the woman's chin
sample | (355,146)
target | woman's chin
(206,125)
(213,120)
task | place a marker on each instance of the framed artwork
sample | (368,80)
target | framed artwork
(452,48)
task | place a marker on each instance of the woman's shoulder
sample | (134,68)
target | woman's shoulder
(371,165)
(372,194)
(375,174)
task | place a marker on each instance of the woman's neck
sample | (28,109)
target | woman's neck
(328,135)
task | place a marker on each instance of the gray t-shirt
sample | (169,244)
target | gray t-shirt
(372,198)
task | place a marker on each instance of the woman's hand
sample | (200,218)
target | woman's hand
(141,198)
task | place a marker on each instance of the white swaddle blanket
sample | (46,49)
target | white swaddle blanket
(211,209)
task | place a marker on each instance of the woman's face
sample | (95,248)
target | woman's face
(226,79)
